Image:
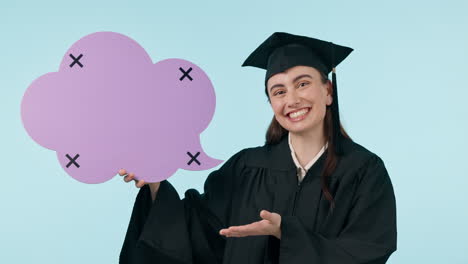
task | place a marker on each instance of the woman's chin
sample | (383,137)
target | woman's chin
(297,129)
(300,127)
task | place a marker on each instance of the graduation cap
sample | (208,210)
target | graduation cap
(282,51)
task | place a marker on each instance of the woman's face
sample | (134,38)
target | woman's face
(299,99)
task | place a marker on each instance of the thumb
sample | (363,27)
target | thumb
(265,215)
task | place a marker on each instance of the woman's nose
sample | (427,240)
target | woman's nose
(293,99)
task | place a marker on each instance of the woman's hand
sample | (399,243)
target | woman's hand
(131,176)
(154,186)
(270,225)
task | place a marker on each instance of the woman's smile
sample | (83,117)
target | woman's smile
(298,115)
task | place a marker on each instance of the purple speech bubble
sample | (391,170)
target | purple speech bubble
(109,107)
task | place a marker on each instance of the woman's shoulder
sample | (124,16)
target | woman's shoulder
(358,159)
(272,156)
(356,151)
(246,156)
(254,154)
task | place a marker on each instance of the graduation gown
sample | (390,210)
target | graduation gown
(360,229)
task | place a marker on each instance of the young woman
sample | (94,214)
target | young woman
(309,195)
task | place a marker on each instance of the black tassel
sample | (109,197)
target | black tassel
(336,137)
(336,117)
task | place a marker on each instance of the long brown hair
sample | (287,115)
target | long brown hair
(276,132)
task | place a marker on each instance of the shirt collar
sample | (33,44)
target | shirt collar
(311,162)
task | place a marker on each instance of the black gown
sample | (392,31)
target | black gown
(361,228)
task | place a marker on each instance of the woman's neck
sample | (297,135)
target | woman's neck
(307,145)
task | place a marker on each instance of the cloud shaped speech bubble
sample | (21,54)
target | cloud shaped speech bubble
(109,107)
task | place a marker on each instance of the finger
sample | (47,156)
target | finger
(228,232)
(265,214)
(139,183)
(246,233)
(254,229)
(122,172)
(245,228)
(272,217)
(129,177)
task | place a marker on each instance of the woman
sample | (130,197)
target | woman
(309,195)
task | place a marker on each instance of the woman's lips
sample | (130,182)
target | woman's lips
(299,114)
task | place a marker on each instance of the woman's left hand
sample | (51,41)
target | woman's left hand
(270,225)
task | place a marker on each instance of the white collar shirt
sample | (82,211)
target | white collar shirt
(302,171)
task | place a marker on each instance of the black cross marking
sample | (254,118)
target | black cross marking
(194,158)
(186,73)
(73,161)
(76,60)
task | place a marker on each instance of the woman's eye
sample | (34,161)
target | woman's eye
(279,92)
(302,84)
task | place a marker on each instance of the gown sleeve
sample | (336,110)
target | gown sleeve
(369,235)
(173,230)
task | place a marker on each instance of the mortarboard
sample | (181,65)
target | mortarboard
(282,51)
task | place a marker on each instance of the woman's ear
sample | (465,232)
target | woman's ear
(329,87)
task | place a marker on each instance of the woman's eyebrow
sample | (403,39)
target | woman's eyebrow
(278,85)
(301,76)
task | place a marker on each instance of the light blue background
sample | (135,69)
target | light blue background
(402,95)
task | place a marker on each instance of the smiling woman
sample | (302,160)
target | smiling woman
(295,94)
(309,195)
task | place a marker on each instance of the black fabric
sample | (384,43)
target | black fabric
(361,229)
(292,55)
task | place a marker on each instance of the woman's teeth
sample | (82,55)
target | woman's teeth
(299,113)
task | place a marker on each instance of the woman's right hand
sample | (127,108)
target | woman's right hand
(154,186)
